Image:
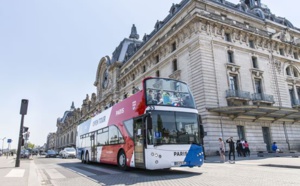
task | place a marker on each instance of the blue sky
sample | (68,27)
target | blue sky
(50,49)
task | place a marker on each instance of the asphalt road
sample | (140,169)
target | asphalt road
(254,171)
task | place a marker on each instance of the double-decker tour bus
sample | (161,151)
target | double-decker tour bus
(156,128)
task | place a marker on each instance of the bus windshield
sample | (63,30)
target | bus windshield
(168,92)
(173,128)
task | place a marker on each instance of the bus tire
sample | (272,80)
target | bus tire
(87,160)
(122,160)
(82,159)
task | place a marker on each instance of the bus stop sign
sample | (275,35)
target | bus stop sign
(9,140)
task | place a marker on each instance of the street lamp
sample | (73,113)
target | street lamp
(3,143)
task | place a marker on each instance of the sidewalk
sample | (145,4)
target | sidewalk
(285,162)
(24,175)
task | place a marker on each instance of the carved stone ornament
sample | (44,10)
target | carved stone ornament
(232,67)
(257,73)
(278,65)
(283,36)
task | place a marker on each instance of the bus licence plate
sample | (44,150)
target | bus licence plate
(179,163)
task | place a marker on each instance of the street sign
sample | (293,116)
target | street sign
(9,140)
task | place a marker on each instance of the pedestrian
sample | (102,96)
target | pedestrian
(222,150)
(274,147)
(243,147)
(239,148)
(231,149)
(247,150)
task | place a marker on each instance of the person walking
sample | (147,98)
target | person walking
(231,149)
(222,150)
(274,147)
(247,150)
(239,148)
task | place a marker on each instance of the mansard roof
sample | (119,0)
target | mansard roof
(129,46)
(67,114)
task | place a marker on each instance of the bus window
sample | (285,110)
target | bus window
(102,137)
(115,136)
(129,127)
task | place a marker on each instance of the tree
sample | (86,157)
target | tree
(30,145)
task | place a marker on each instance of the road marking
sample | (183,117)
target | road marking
(54,174)
(16,173)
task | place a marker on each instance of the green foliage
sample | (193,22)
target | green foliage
(30,145)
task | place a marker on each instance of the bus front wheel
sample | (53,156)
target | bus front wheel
(122,160)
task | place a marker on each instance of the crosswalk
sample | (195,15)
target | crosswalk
(15,173)
(58,173)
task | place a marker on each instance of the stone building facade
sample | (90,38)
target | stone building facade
(240,61)
(51,141)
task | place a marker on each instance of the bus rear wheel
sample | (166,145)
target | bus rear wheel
(122,160)
(82,159)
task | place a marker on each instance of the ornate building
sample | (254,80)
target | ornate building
(51,141)
(240,60)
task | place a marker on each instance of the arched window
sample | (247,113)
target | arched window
(291,71)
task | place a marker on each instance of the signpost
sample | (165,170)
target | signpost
(23,111)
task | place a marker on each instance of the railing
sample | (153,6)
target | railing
(238,94)
(262,97)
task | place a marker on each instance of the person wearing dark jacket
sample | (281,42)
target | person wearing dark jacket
(231,149)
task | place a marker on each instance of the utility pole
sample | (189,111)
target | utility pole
(23,111)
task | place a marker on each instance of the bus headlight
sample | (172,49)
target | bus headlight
(156,155)
(152,153)
(159,156)
(156,162)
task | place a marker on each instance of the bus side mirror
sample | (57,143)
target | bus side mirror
(202,133)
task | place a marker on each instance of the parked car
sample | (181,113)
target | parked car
(24,153)
(68,152)
(51,154)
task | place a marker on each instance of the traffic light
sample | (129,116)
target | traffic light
(22,144)
(25,129)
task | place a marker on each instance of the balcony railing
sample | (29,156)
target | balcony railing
(237,94)
(262,97)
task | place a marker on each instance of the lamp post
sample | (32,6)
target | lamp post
(3,143)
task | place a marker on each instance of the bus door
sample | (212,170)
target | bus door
(93,148)
(139,142)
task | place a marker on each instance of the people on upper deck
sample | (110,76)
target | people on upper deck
(150,97)
(187,102)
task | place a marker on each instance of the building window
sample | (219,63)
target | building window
(144,68)
(241,132)
(258,88)
(292,71)
(230,56)
(173,46)
(157,58)
(227,37)
(251,43)
(296,55)
(233,83)
(133,77)
(157,73)
(281,52)
(292,95)
(254,62)
(174,65)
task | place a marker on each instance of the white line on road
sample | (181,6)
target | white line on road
(16,173)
